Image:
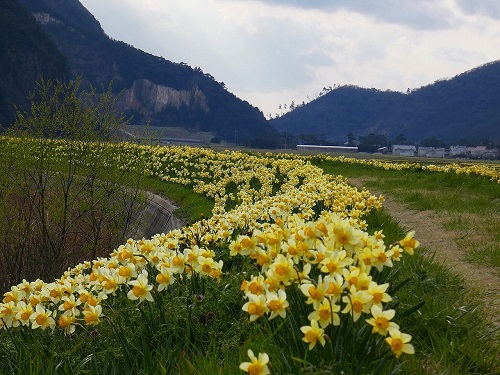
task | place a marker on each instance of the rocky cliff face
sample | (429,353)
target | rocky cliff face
(149,98)
(44,18)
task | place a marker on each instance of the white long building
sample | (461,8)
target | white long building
(316,148)
(404,150)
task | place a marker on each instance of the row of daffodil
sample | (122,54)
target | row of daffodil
(115,156)
(209,172)
(205,171)
(329,258)
(286,245)
(253,176)
(334,192)
(491,171)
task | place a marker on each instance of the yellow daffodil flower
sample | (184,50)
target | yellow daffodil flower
(399,343)
(313,334)
(258,365)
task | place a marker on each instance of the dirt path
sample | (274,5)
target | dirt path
(482,281)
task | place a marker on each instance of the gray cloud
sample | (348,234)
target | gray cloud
(279,54)
(489,8)
(316,57)
(420,15)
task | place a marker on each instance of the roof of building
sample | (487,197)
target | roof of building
(404,147)
(332,147)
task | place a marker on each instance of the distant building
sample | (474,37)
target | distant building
(179,141)
(317,148)
(458,151)
(476,152)
(431,152)
(481,152)
(492,154)
(404,150)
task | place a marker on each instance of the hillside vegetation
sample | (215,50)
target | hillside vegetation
(26,54)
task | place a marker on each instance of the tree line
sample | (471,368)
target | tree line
(63,199)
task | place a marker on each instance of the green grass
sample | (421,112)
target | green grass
(449,329)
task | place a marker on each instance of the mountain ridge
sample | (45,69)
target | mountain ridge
(197,101)
(466,106)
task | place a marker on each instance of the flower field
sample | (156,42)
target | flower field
(285,276)
(488,170)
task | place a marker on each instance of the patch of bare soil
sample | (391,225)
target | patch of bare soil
(482,281)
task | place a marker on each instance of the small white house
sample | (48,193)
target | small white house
(404,150)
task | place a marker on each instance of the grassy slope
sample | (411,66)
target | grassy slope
(449,330)
(192,206)
(469,205)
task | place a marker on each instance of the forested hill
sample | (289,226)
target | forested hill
(26,53)
(153,88)
(464,107)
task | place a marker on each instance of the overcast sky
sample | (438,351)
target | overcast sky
(270,52)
